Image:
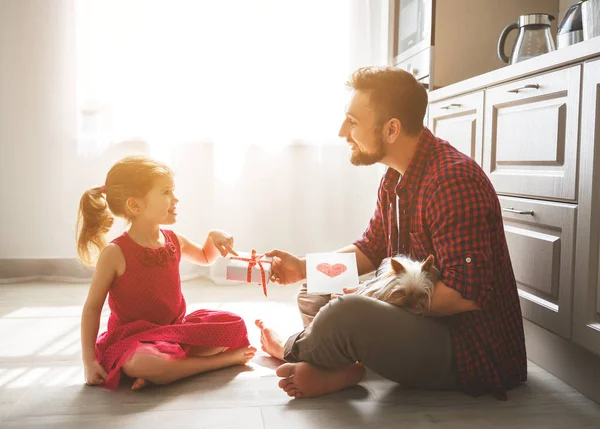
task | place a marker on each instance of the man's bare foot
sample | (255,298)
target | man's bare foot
(270,340)
(138,384)
(239,356)
(302,380)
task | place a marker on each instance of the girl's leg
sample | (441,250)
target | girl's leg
(199,351)
(161,369)
(193,351)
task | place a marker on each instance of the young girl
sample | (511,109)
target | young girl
(149,337)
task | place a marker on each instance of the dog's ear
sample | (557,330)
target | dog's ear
(428,264)
(397,267)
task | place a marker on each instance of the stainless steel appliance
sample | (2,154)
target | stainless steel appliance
(415,25)
(446,41)
(534,38)
(570,30)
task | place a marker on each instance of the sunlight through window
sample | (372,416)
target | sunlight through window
(236,74)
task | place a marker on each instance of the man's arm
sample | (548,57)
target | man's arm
(446,301)
(297,272)
(371,248)
(459,216)
(370,251)
(363,263)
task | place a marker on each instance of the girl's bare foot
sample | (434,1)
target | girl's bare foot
(270,341)
(302,380)
(240,356)
(138,384)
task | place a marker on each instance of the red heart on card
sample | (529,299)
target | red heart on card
(331,270)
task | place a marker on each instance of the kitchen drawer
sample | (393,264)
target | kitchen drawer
(459,120)
(531,135)
(541,242)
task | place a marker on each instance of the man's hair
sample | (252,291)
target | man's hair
(393,93)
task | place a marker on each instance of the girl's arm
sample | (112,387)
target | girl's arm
(217,243)
(110,264)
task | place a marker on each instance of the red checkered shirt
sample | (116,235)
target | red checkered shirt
(447,207)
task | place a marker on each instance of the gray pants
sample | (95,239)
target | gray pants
(412,350)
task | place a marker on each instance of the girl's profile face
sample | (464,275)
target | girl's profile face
(160,204)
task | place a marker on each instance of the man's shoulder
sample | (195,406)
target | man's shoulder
(450,166)
(448,160)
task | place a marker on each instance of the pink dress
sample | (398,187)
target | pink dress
(148,311)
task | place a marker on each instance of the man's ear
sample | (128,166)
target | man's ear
(397,267)
(391,130)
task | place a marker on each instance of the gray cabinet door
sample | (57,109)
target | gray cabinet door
(530,135)
(541,241)
(459,121)
(586,305)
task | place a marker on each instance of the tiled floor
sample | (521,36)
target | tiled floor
(41,380)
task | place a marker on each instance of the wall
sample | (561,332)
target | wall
(37,124)
(42,172)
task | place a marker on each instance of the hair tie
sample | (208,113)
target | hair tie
(103,189)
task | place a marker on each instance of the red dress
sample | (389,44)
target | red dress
(148,311)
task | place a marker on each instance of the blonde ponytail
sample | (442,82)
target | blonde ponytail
(132,176)
(94,220)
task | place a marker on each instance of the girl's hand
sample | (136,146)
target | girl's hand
(223,242)
(94,373)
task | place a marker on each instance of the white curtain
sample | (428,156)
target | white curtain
(244,99)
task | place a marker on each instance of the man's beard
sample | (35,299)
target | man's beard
(363,158)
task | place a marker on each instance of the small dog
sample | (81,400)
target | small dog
(403,282)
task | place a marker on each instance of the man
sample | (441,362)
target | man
(432,200)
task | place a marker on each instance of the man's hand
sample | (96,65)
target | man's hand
(287,268)
(346,290)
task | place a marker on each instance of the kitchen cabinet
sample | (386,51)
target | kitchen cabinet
(540,147)
(586,305)
(459,120)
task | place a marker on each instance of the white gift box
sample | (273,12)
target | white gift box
(237,268)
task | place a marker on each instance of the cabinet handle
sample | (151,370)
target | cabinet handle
(513,210)
(530,86)
(449,106)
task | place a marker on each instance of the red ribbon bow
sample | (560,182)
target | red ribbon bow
(253,260)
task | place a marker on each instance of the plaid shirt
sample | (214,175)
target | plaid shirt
(447,207)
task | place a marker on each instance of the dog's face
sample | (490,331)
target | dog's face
(408,285)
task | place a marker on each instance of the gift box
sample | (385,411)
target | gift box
(250,268)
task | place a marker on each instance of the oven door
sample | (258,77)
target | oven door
(414,27)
